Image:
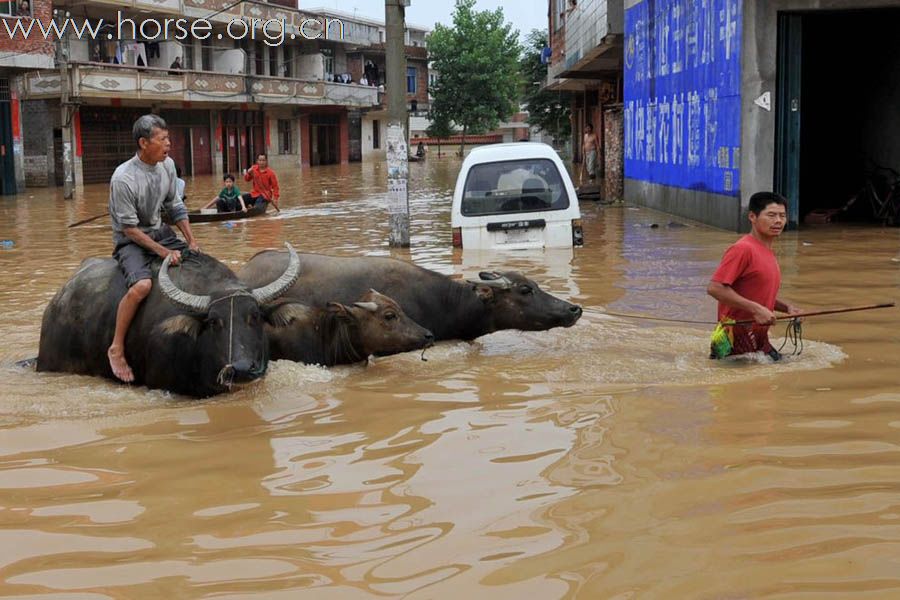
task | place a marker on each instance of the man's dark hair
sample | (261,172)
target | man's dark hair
(227,177)
(760,200)
(589,126)
(262,154)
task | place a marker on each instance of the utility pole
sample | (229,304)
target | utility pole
(397,136)
(67,108)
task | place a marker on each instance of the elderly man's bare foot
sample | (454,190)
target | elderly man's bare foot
(119,365)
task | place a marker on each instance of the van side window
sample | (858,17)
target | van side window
(514,186)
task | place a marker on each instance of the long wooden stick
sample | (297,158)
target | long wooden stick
(89,220)
(831,311)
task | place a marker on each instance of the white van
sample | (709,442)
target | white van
(513,196)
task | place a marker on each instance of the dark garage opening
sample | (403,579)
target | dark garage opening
(850,108)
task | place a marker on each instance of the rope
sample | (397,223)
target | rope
(227,372)
(649,318)
(794,335)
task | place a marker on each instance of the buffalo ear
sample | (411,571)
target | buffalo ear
(285,313)
(339,311)
(485,293)
(180,324)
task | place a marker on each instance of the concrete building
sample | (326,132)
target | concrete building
(587,44)
(724,98)
(17,56)
(293,91)
(367,60)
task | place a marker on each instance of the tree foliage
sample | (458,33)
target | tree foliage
(551,111)
(477,64)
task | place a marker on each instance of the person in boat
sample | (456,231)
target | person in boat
(229,199)
(265,183)
(139,188)
(420,149)
(747,280)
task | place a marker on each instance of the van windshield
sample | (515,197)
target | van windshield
(513,186)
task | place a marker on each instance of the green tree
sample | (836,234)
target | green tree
(548,110)
(477,64)
(439,128)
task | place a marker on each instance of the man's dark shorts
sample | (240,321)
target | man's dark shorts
(135,260)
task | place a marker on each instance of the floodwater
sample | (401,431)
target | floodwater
(608,460)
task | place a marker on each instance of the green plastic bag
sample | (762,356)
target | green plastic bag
(721,342)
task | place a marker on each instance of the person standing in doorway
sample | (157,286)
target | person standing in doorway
(265,183)
(747,280)
(139,188)
(590,147)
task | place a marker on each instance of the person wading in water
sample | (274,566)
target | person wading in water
(138,189)
(747,280)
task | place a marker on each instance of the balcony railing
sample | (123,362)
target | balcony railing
(98,80)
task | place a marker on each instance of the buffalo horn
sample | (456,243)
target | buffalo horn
(270,292)
(369,306)
(190,302)
(501,284)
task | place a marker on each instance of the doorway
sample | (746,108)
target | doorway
(838,89)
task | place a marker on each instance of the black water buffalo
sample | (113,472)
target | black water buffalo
(448,308)
(195,337)
(340,334)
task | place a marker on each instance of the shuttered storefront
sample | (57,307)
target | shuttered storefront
(106,140)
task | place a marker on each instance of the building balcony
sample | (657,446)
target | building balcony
(594,39)
(96,80)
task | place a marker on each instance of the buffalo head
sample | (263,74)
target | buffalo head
(516,302)
(224,328)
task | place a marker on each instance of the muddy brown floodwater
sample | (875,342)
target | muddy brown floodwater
(608,460)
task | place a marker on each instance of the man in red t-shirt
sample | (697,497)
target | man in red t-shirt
(265,183)
(747,280)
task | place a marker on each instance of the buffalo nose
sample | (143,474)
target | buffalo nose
(246,370)
(575,310)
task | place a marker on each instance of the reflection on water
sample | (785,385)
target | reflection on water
(608,460)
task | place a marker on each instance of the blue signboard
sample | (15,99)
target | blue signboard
(683,94)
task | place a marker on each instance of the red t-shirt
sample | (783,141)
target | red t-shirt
(265,183)
(751,269)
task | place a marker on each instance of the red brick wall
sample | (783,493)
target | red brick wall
(35,44)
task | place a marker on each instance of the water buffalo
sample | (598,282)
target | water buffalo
(195,337)
(448,308)
(340,334)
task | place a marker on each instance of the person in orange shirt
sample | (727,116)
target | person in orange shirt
(265,183)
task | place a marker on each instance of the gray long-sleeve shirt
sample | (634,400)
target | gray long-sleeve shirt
(137,191)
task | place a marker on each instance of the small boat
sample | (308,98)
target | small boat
(201,216)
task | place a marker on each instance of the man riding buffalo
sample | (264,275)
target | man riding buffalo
(139,188)
(448,308)
(198,332)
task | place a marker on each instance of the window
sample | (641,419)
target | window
(328,53)
(376,134)
(258,59)
(287,66)
(206,56)
(273,61)
(410,80)
(187,55)
(513,186)
(15,8)
(284,137)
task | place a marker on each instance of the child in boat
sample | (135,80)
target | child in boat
(229,199)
